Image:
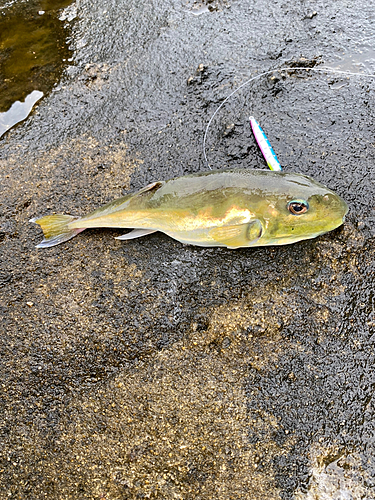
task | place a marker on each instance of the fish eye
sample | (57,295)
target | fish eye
(298,207)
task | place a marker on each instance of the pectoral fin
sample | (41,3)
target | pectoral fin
(238,235)
(136,233)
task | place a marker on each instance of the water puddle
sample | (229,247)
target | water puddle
(197,11)
(18,111)
(362,61)
(33,54)
(198,7)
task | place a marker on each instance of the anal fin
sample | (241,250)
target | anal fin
(136,233)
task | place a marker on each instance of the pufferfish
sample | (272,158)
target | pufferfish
(223,208)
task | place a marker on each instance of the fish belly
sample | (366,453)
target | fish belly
(198,237)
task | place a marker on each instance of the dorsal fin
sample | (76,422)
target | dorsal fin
(154,186)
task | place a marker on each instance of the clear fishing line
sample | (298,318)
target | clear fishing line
(266,73)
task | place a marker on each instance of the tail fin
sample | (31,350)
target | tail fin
(55,229)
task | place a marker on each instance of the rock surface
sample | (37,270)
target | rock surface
(149,369)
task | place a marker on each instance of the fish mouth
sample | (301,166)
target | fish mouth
(346,210)
(339,221)
(343,217)
(338,214)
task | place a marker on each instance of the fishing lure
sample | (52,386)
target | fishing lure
(265,146)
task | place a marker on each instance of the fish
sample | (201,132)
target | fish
(235,208)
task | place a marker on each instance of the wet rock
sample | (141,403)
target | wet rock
(149,368)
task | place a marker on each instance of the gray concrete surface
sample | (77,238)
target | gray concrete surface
(149,369)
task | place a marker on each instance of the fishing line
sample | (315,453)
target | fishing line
(266,73)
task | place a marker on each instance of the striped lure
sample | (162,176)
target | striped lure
(265,146)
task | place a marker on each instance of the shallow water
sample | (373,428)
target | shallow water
(33,52)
